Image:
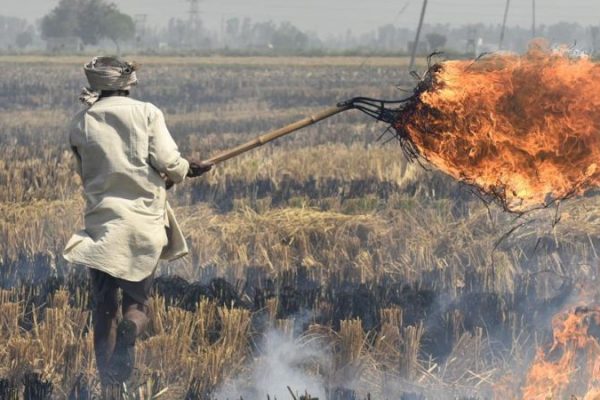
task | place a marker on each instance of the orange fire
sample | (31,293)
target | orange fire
(571,366)
(525,129)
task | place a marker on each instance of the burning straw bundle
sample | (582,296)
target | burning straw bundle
(524,130)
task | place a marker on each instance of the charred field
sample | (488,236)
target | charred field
(325,262)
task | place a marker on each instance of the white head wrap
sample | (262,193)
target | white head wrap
(107,73)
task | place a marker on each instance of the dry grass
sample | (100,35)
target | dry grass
(58,355)
(59,345)
(321,163)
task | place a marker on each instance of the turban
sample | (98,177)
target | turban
(107,73)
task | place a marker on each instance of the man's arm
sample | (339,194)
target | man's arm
(163,153)
(73,130)
(197,168)
(77,159)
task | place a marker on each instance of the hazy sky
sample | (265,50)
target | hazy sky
(336,16)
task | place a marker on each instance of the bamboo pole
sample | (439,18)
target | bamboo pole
(276,134)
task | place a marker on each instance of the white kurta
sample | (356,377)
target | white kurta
(122,147)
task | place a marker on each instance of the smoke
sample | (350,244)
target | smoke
(281,362)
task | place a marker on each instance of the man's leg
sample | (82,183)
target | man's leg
(105,320)
(135,312)
(134,323)
(136,297)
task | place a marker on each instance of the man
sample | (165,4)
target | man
(126,159)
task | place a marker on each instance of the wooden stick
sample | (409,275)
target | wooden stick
(276,134)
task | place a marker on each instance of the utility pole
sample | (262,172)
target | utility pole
(504,25)
(533,33)
(416,44)
(193,13)
(194,24)
(140,28)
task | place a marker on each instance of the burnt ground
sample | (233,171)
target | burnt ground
(297,293)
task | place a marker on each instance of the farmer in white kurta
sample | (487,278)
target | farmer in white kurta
(127,159)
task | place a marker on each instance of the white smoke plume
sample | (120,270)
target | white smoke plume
(281,362)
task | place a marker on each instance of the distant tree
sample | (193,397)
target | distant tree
(262,34)
(436,41)
(233,27)
(24,39)
(62,21)
(565,32)
(188,34)
(232,30)
(386,37)
(90,20)
(10,28)
(176,32)
(118,26)
(288,37)
(245,32)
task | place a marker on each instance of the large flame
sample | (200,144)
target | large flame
(571,366)
(525,129)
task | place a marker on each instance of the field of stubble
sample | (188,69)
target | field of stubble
(408,282)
